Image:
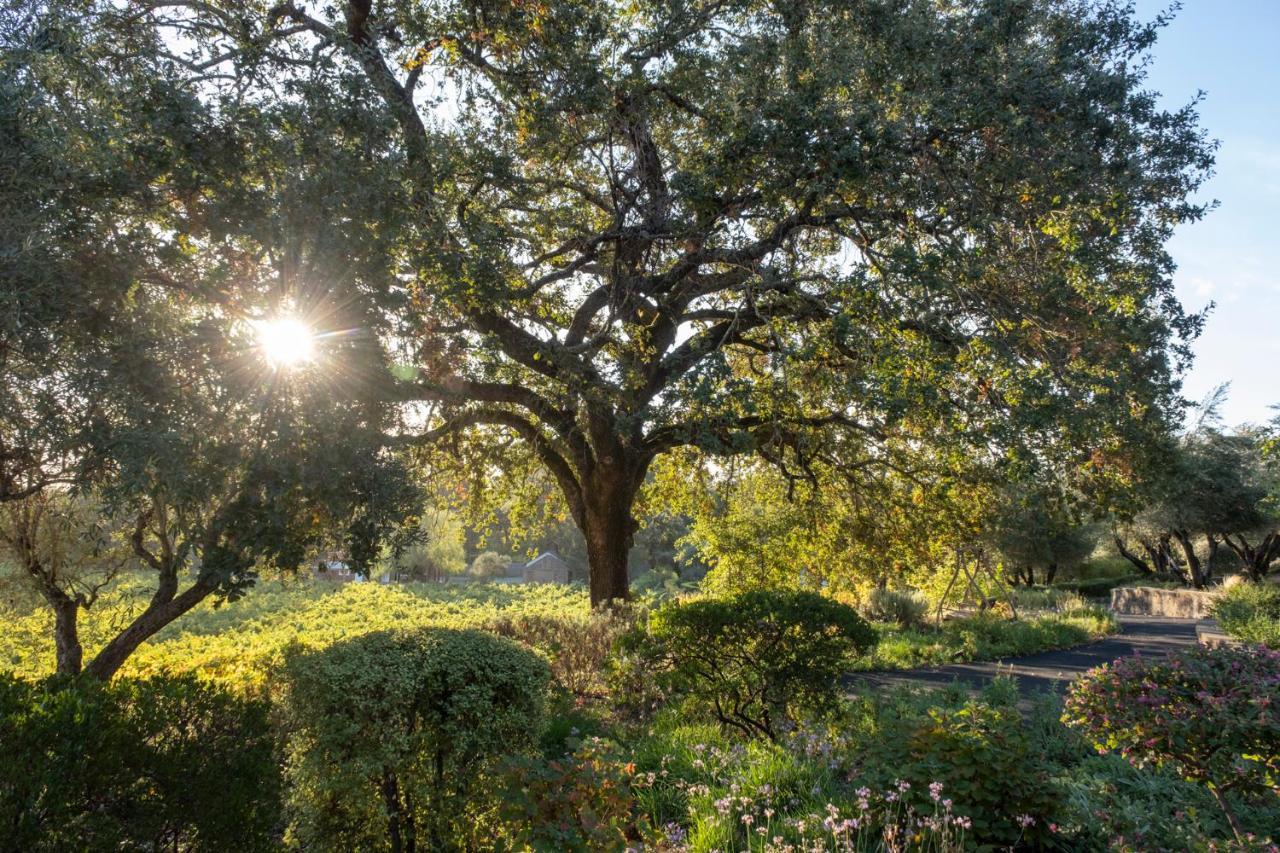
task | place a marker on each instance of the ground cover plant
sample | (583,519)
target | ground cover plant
(238,642)
(986,636)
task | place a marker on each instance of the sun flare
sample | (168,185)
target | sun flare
(285,341)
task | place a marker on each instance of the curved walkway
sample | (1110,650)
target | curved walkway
(1145,635)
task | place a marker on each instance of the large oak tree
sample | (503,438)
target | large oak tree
(747,225)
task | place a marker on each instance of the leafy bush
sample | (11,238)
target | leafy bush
(1212,715)
(1251,612)
(904,609)
(490,564)
(757,659)
(581,802)
(662,580)
(979,752)
(577,647)
(393,735)
(165,763)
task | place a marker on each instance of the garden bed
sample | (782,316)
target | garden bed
(986,636)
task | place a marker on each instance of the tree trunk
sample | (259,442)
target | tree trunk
(391,801)
(1255,561)
(1161,555)
(607,522)
(159,612)
(609,530)
(1133,558)
(1195,573)
(66,636)
(1050,572)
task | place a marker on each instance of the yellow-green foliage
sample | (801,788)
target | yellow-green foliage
(987,636)
(236,643)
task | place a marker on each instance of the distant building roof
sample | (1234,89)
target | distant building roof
(549,560)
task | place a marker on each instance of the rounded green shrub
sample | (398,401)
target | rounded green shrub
(394,736)
(755,661)
(161,763)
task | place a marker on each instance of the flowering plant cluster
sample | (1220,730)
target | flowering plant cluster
(1210,714)
(981,752)
(764,821)
(804,794)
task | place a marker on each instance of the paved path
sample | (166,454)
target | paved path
(1147,635)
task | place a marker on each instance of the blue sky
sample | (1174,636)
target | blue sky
(1231,50)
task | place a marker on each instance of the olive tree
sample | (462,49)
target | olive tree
(1037,528)
(1217,488)
(742,226)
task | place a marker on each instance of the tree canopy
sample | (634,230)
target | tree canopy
(140,257)
(610,231)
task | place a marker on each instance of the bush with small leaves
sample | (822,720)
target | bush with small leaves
(1251,612)
(981,753)
(754,661)
(394,736)
(578,647)
(161,763)
(580,802)
(1212,715)
(902,608)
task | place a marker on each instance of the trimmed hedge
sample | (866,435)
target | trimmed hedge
(394,735)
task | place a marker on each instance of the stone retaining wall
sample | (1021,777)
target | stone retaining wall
(1153,601)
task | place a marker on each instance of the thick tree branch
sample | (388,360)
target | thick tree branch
(568,479)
